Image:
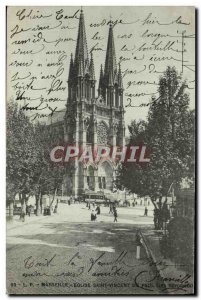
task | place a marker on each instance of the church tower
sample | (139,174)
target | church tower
(90,119)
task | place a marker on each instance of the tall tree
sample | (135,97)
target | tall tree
(29,170)
(169,133)
(21,154)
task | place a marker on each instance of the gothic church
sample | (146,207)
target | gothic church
(92,119)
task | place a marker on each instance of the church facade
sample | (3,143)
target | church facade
(90,118)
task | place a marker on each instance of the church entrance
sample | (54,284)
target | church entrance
(105,176)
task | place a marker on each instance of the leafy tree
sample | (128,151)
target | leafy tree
(169,134)
(29,170)
(21,154)
(48,177)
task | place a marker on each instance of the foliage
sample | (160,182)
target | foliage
(169,134)
(29,171)
(21,152)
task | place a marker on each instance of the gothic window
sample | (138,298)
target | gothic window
(102,133)
(91,180)
(119,136)
(99,183)
(89,135)
(104,183)
(116,98)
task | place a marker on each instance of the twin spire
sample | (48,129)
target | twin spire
(82,66)
(111,75)
(81,53)
(110,61)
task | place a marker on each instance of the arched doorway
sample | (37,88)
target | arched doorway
(105,176)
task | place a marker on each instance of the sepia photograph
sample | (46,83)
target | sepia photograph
(100,150)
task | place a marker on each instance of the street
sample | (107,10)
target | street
(66,253)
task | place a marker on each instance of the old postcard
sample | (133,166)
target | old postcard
(100,150)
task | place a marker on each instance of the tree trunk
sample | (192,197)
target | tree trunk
(11,208)
(153,200)
(160,202)
(23,202)
(23,206)
(54,196)
(41,203)
(26,201)
(20,198)
(165,201)
(37,205)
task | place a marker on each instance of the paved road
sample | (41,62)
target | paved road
(67,253)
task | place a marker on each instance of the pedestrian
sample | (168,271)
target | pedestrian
(93,215)
(27,207)
(55,209)
(146,211)
(49,209)
(115,214)
(29,210)
(98,210)
(110,211)
(22,216)
(89,207)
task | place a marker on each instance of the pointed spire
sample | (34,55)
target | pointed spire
(101,78)
(70,75)
(86,70)
(80,68)
(110,61)
(91,68)
(81,52)
(110,81)
(120,82)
